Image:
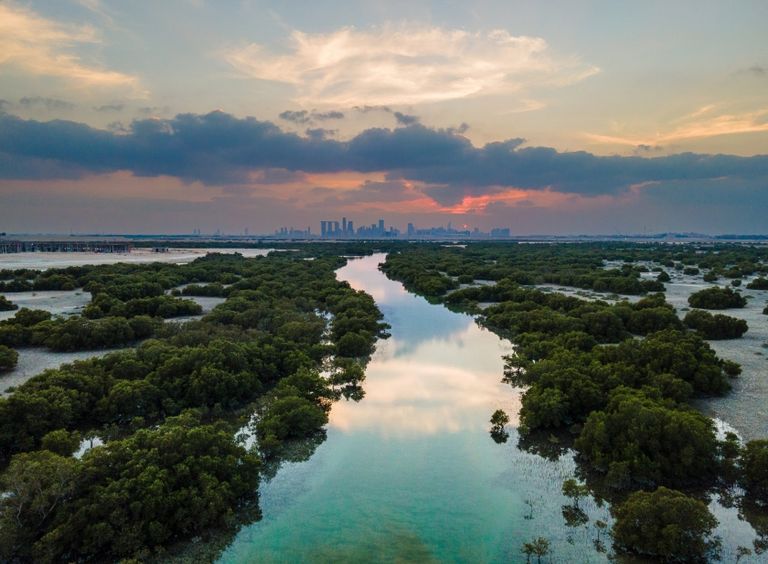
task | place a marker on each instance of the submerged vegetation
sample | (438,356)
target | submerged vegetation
(169,409)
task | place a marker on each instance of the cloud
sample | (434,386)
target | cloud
(400,117)
(320,133)
(154,110)
(48,104)
(407,64)
(304,117)
(405,119)
(40,46)
(301,116)
(220,149)
(322,116)
(110,108)
(703,122)
(371,192)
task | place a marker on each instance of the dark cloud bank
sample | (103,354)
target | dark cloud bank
(218,148)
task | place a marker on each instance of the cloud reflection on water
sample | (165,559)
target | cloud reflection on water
(441,373)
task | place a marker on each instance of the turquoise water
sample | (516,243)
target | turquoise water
(410,473)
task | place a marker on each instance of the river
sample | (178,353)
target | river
(410,473)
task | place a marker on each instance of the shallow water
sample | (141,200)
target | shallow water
(33,360)
(42,261)
(410,473)
(744,408)
(58,302)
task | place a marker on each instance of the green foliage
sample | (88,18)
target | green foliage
(663,276)
(665,524)
(567,383)
(717,298)
(36,485)
(104,305)
(8,358)
(128,497)
(499,418)
(429,269)
(577,359)
(715,327)
(353,345)
(754,463)
(538,547)
(575,491)
(7,305)
(758,284)
(61,442)
(652,440)
(168,479)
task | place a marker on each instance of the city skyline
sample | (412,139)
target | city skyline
(152,117)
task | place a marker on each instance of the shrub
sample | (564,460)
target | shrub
(717,298)
(665,524)
(715,327)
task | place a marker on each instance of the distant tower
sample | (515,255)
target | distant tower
(350,227)
(344,224)
(335,230)
(323,228)
(411,230)
(381,227)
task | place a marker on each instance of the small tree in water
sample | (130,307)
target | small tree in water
(538,547)
(498,420)
(574,490)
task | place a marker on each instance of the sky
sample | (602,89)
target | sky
(557,117)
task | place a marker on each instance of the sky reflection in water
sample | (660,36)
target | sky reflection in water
(410,473)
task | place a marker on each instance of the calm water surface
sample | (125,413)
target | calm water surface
(410,473)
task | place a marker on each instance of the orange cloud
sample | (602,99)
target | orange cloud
(698,124)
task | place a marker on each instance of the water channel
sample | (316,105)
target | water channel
(410,473)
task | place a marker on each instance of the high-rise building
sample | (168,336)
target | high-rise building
(381,227)
(344,225)
(323,228)
(350,227)
(411,230)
